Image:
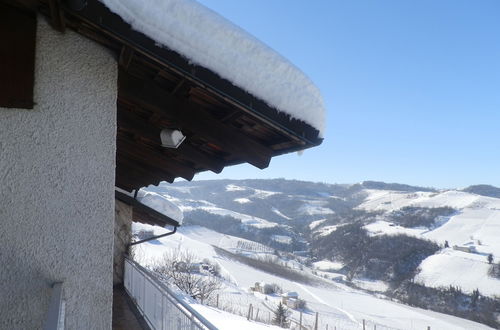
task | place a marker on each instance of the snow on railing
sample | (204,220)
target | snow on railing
(159,306)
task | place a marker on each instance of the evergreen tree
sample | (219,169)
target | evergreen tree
(446,244)
(475,298)
(280,316)
(490,258)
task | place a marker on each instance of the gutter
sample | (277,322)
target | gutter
(154,237)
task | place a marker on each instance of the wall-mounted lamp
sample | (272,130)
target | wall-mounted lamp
(171,138)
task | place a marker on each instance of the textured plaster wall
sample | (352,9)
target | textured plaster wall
(57,187)
(123,234)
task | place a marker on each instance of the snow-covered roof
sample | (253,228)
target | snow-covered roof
(290,294)
(161,204)
(211,41)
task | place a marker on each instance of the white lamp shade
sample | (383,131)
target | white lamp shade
(171,138)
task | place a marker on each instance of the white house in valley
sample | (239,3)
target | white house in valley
(101,98)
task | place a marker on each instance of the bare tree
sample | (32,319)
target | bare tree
(180,268)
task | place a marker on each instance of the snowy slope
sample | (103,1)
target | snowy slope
(337,304)
(246,219)
(476,223)
(465,270)
(476,220)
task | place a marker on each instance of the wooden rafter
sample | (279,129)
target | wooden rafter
(186,115)
(137,125)
(158,88)
(149,157)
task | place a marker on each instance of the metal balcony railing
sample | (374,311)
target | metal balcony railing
(159,306)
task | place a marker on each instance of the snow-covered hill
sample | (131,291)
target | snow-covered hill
(474,225)
(337,304)
(292,215)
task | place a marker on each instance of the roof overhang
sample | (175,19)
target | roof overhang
(158,89)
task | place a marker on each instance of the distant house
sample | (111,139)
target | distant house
(95,104)
(264,288)
(290,299)
(463,248)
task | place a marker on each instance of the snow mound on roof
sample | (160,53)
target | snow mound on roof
(161,204)
(209,40)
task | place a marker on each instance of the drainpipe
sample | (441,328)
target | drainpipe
(154,237)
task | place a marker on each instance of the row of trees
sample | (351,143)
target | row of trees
(451,300)
(392,258)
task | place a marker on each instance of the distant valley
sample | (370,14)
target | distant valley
(411,242)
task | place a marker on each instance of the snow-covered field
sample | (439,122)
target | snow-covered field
(337,304)
(246,219)
(465,270)
(327,265)
(476,223)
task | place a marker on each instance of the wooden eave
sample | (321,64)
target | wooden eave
(159,88)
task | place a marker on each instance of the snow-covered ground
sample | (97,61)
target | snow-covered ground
(282,239)
(476,223)
(327,265)
(337,304)
(246,219)
(392,200)
(465,270)
(242,200)
(278,212)
(315,208)
(316,223)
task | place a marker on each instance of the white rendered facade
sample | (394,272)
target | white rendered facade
(57,169)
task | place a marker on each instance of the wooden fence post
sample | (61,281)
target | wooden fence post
(300,321)
(364,326)
(249,311)
(217,304)
(316,323)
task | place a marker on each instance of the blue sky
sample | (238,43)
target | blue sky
(412,88)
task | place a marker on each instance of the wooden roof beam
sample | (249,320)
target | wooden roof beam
(195,119)
(140,175)
(133,123)
(143,154)
(30,5)
(128,179)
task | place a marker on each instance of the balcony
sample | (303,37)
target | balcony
(144,302)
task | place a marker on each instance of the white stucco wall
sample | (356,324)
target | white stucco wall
(57,187)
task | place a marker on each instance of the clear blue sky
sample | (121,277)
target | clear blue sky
(412,88)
